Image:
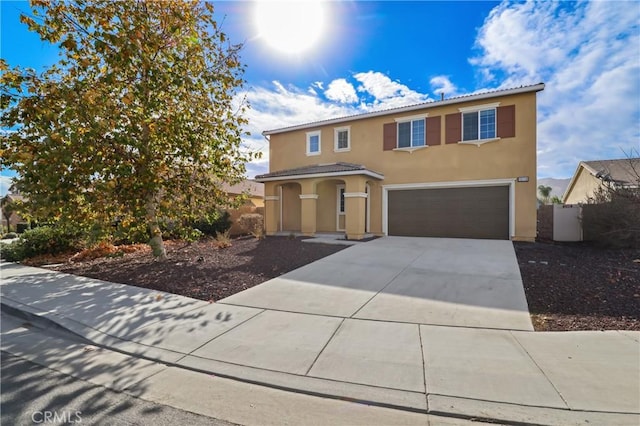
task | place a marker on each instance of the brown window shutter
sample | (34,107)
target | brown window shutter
(390,136)
(433,130)
(453,128)
(506,121)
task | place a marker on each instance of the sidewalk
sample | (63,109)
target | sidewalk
(510,376)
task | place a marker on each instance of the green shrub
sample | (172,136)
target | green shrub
(48,240)
(213,227)
(11,252)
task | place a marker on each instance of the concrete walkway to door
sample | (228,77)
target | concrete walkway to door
(438,281)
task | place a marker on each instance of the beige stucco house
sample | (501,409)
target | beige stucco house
(254,191)
(254,202)
(592,175)
(459,167)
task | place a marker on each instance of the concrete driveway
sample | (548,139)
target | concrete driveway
(437,281)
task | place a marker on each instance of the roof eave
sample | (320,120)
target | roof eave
(480,96)
(319,175)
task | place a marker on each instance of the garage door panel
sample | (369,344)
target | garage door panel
(480,212)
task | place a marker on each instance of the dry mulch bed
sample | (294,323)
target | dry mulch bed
(203,271)
(579,286)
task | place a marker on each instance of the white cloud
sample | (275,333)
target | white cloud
(277,106)
(442,84)
(385,92)
(587,54)
(340,90)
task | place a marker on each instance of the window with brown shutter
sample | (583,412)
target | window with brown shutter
(433,130)
(453,127)
(389,139)
(506,121)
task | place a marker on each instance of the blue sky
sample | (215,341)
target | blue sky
(376,55)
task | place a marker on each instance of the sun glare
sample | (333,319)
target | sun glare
(291,27)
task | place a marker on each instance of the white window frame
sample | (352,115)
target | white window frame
(411,119)
(336,131)
(477,109)
(317,133)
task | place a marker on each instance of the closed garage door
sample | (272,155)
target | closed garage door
(474,212)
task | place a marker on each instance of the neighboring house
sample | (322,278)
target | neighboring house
(253,204)
(11,221)
(253,190)
(459,167)
(592,175)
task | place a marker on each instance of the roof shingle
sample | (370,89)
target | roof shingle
(623,171)
(317,169)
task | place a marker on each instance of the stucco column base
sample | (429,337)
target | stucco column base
(355,215)
(271,215)
(308,222)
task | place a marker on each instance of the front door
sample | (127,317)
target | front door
(340,211)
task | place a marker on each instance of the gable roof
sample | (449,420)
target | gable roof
(618,171)
(622,171)
(431,104)
(317,170)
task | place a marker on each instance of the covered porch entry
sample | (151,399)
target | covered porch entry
(322,198)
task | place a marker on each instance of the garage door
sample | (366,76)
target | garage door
(479,212)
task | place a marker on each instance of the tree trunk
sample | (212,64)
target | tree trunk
(156,243)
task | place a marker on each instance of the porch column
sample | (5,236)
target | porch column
(355,200)
(271,213)
(308,220)
(308,200)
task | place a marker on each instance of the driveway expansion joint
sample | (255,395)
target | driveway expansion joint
(190,353)
(540,369)
(386,285)
(324,347)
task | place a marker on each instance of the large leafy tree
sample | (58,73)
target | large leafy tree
(138,122)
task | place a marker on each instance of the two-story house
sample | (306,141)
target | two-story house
(461,167)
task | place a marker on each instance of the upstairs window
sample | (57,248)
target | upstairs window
(411,133)
(313,143)
(342,139)
(479,125)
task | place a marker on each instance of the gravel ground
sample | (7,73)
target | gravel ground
(202,270)
(580,287)
(568,286)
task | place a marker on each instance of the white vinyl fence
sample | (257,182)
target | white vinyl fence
(566,222)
